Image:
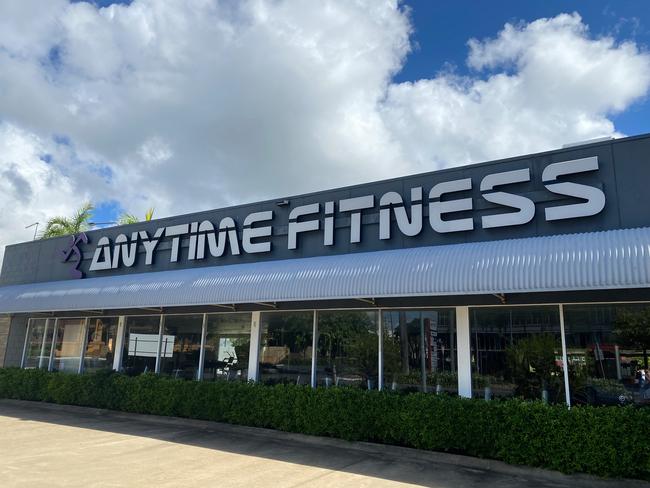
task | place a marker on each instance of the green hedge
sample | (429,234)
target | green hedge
(605,441)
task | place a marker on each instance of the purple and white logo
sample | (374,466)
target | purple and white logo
(73,250)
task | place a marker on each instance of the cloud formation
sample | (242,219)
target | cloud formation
(534,87)
(193,105)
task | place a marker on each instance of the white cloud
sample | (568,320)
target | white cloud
(535,87)
(33,186)
(199,104)
(556,58)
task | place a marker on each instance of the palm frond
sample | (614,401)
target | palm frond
(56,226)
(64,226)
(126,219)
(81,219)
(149,215)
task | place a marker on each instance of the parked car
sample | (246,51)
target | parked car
(598,395)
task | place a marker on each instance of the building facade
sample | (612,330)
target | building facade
(528,276)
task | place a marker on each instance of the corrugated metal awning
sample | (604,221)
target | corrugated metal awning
(598,260)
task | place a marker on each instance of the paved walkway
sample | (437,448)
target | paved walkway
(70,446)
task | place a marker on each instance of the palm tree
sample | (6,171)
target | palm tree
(63,226)
(132,219)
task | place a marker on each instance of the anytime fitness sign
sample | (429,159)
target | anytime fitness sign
(444,199)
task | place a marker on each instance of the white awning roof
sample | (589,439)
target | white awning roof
(598,260)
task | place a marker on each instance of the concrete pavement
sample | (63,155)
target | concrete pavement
(55,445)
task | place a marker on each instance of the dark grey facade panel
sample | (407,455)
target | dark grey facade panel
(5,323)
(623,170)
(15,341)
(633,181)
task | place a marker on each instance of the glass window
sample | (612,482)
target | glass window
(100,343)
(286,347)
(607,352)
(517,351)
(420,350)
(347,349)
(141,344)
(39,343)
(68,344)
(181,344)
(227,346)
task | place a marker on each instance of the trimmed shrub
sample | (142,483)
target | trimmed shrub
(605,441)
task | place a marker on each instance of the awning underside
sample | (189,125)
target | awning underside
(599,260)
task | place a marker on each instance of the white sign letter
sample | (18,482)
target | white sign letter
(594,196)
(437,208)
(525,206)
(355,205)
(394,200)
(254,232)
(103,252)
(176,231)
(150,244)
(296,227)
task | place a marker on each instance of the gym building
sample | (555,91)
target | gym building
(527,276)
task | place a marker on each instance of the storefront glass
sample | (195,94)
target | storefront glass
(100,343)
(141,344)
(181,346)
(348,348)
(39,343)
(227,346)
(607,351)
(68,344)
(420,350)
(286,347)
(517,351)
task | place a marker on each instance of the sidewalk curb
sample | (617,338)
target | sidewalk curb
(380,450)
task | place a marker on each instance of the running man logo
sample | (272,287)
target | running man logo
(73,250)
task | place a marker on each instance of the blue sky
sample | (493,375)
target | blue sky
(443,28)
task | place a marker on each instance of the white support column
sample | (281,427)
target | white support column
(53,345)
(204,330)
(119,343)
(423,356)
(617,355)
(161,330)
(314,349)
(380,359)
(48,323)
(84,344)
(254,351)
(27,332)
(565,362)
(464,352)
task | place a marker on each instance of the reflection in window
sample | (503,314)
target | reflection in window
(39,343)
(607,352)
(141,344)
(100,343)
(347,349)
(67,347)
(227,346)
(181,345)
(517,351)
(420,350)
(286,347)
